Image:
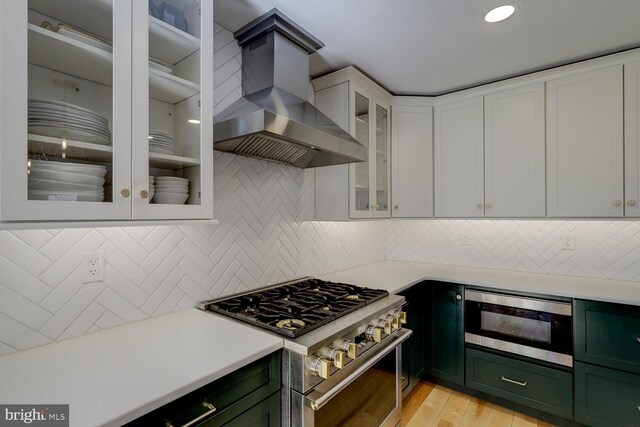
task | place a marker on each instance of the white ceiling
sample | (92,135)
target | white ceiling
(429,47)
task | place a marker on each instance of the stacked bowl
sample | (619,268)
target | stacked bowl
(59,119)
(161,142)
(171,190)
(50,180)
(152,187)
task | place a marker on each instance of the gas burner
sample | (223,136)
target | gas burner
(295,308)
(291,324)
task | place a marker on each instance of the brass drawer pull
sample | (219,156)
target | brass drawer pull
(211,410)
(521,384)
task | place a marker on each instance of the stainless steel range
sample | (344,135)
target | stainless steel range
(341,358)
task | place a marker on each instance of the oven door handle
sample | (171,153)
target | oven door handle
(317,400)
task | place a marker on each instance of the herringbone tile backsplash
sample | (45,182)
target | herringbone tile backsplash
(265,235)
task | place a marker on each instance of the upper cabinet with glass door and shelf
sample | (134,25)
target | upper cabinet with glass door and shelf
(70,95)
(360,106)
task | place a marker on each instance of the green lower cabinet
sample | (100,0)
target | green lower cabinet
(608,335)
(413,350)
(445,334)
(264,414)
(606,397)
(539,387)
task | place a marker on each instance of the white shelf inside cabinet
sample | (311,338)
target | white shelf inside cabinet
(169,43)
(169,88)
(169,161)
(54,51)
(51,146)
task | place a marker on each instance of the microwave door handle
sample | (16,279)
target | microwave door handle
(317,400)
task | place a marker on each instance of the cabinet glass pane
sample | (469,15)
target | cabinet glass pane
(382,157)
(362,168)
(70,108)
(174,102)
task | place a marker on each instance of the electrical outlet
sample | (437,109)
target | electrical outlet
(92,267)
(567,242)
(343,241)
(465,239)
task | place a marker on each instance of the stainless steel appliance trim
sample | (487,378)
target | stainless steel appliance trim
(562,308)
(523,350)
(317,399)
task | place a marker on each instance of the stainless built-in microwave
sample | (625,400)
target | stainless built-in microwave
(530,327)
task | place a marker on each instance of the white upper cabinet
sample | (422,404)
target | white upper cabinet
(585,144)
(515,152)
(412,158)
(356,190)
(96,96)
(459,159)
(632,139)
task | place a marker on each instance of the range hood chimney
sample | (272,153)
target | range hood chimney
(273,121)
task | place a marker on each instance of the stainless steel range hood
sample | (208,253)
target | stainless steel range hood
(273,121)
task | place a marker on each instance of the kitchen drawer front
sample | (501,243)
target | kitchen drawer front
(605,397)
(231,394)
(608,335)
(546,389)
(264,414)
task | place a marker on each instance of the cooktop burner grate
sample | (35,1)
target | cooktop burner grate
(293,309)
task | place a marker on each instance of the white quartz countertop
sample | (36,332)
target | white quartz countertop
(114,376)
(396,276)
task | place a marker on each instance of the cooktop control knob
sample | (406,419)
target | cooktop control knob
(395,322)
(373,333)
(401,315)
(334,355)
(350,347)
(318,366)
(385,325)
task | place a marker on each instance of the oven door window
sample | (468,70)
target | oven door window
(518,327)
(367,401)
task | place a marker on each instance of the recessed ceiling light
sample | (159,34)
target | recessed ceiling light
(500,13)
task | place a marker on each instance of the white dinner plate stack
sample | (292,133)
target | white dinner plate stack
(152,187)
(50,180)
(171,189)
(59,119)
(161,142)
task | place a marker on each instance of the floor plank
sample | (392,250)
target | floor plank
(522,420)
(414,400)
(500,417)
(428,412)
(453,410)
(477,413)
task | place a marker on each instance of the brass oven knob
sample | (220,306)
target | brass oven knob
(395,322)
(318,366)
(373,333)
(401,315)
(334,355)
(350,347)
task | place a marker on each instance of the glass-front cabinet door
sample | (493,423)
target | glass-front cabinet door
(65,123)
(102,109)
(172,137)
(369,180)
(360,192)
(381,207)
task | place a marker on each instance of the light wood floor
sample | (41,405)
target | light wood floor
(433,405)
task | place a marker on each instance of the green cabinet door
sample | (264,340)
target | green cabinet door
(413,350)
(445,333)
(264,414)
(605,397)
(608,335)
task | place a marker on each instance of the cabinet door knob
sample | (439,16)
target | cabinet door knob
(487,205)
(617,202)
(395,206)
(631,202)
(479,205)
(144,194)
(459,297)
(125,192)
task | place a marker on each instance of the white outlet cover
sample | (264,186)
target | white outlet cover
(567,242)
(465,239)
(92,267)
